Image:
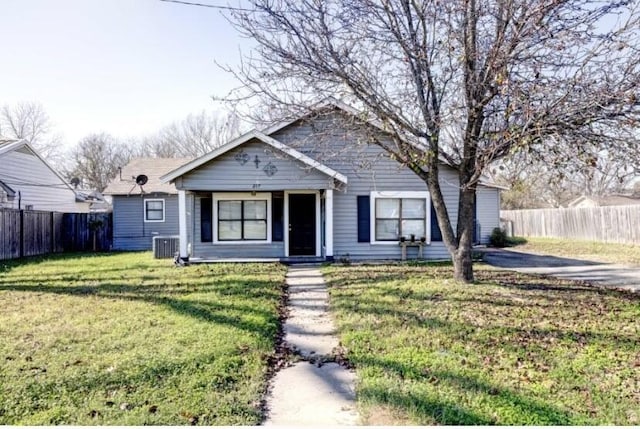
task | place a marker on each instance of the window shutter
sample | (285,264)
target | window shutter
(364,219)
(206,212)
(277,216)
(436,234)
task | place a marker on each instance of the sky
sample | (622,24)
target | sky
(124,67)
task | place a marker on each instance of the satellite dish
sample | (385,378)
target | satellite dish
(141,179)
(75,182)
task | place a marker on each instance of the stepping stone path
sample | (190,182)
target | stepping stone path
(315,390)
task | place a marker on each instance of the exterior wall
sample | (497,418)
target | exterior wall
(131,232)
(275,249)
(368,169)
(38,185)
(487,211)
(227,174)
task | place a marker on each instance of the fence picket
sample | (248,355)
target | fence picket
(47,232)
(616,224)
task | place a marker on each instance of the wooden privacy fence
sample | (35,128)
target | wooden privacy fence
(30,233)
(617,224)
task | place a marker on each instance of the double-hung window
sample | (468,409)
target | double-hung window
(242,217)
(399,214)
(153,210)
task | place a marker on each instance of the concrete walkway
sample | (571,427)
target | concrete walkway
(313,391)
(611,275)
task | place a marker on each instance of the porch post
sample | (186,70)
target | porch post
(182,224)
(328,228)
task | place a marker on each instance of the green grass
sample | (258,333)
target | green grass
(581,249)
(510,350)
(128,340)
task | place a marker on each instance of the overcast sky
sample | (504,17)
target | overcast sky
(126,67)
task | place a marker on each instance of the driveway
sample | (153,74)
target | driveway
(611,275)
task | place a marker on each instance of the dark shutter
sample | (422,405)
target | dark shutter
(206,230)
(277,216)
(436,234)
(364,219)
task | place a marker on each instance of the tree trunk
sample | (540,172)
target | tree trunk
(463,265)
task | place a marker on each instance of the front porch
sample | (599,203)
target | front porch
(288,226)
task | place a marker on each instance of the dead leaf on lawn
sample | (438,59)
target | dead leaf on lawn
(153,409)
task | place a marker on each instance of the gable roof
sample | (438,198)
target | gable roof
(7,146)
(264,136)
(254,134)
(153,168)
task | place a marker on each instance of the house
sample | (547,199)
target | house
(609,200)
(97,202)
(142,211)
(28,182)
(312,187)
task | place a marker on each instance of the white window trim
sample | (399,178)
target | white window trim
(144,207)
(399,194)
(240,196)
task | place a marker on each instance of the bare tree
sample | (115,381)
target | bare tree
(464,82)
(196,135)
(29,121)
(554,182)
(96,158)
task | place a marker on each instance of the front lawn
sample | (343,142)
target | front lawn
(123,339)
(511,349)
(582,249)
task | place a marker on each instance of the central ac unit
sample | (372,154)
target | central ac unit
(165,246)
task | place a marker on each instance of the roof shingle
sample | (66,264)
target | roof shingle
(153,168)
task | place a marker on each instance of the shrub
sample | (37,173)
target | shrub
(498,237)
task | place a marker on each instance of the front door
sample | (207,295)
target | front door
(302,224)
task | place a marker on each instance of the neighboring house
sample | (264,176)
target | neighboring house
(28,182)
(141,212)
(97,202)
(307,188)
(609,200)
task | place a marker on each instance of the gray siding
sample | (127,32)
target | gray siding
(131,232)
(368,169)
(227,174)
(248,250)
(38,185)
(487,211)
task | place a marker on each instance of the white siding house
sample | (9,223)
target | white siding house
(28,182)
